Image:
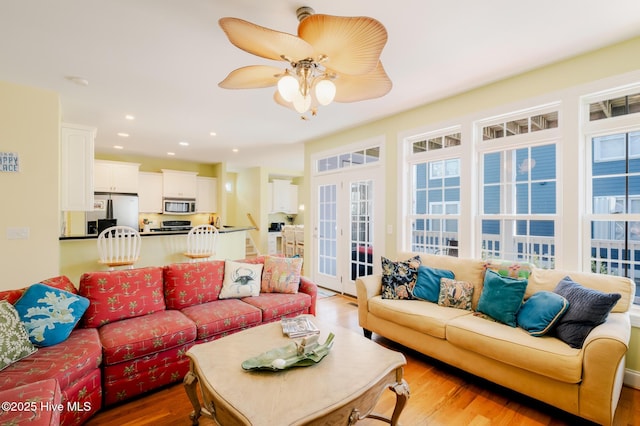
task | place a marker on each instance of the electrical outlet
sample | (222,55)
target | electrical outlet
(389,229)
(17,233)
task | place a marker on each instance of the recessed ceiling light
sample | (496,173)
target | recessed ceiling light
(235,150)
(77,80)
(123,135)
(129,117)
(171,153)
(183,143)
(213,133)
(118,147)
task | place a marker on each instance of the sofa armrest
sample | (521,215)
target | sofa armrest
(309,287)
(603,367)
(366,288)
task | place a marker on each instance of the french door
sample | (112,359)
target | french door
(348,230)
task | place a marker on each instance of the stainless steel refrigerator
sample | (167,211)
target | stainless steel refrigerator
(122,207)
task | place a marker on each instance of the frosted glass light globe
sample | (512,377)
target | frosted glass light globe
(301,103)
(288,87)
(325,91)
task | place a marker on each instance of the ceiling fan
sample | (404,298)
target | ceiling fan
(332,58)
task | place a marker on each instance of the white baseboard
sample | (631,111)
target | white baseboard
(632,378)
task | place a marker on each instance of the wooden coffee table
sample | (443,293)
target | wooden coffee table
(340,390)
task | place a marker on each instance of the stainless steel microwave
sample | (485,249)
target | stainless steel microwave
(179,206)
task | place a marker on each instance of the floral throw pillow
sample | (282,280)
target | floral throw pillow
(455,294)
(49,314)
(14,341)
(281,274)
(399,278)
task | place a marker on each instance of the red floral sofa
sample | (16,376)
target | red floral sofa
(138,327)
(67,373)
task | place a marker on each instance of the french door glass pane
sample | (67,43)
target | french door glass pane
(327,225)
(361,225)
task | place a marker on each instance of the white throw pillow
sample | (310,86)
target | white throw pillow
(241,280)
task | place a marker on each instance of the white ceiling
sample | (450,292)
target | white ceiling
(161,61)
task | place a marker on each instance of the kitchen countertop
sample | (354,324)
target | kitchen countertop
(223,230)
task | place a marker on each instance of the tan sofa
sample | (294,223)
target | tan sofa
(585,382)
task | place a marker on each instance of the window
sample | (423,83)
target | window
(518,196)
(615,203)
(435,188)
(519,204)
(349,159)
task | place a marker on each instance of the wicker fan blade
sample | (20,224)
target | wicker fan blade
(252,77)
(354,88)
(264,42)
(352,44)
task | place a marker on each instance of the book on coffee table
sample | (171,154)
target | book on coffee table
(298,327)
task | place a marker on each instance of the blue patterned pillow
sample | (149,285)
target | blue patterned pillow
(49,314)
(501,297)
(428,283)
(399,278)
(541,312)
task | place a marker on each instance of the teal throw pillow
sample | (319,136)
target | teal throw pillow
(49,314)
(428,284)
(399,278)
(14,342)
(588,308)
(541,312)
(501,297)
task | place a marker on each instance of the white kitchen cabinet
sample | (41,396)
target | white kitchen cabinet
(207,194)
(284,197)
(115,176)
(150,192)
(179,184)
(76,167)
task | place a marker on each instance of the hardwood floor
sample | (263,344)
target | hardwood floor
(440,395)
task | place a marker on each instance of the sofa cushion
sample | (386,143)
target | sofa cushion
(428,283)
(14,340)
(136,337)
(455,294)
(187,284)
(541,312)
(29,400)
(127,379)
(399,278)
(66,362)
(240,280)
(222,317)
(588,308)
(281,274)
(544,355)
(117,295)
(277,305)
(501,297)
(427,318)
(50,314)
(548,279)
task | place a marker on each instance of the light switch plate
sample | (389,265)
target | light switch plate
(17,233)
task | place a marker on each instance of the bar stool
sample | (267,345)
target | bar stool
(119,246)
(201,242)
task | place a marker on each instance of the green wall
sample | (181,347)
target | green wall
(30,128)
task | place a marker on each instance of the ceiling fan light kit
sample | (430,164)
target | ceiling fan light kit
(332,59)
